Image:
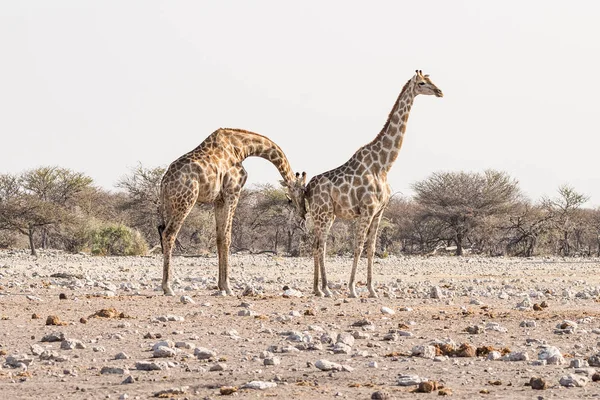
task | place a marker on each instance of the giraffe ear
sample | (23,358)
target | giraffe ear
(303,181)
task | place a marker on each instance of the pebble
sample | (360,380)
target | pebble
(528,324)
(168,318)
(204,354)
(122,356)
(163,352)
(573,380)
(70,344)
(218,367)
(272,361)
(436,292)
(53,337)
(172,392)
(113,370)
(128,380)
(552,355)
(387,311)
(425,351)
(259,385)
(410,380)
(150,366)
(538,383)
(516,356)
(186,300)
(326,365)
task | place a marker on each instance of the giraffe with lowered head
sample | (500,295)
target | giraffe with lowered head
(358,189)
(213,173)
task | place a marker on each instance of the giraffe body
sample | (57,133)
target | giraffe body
(213,173)
(358,189)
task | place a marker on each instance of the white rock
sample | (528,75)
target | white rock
(163,352)
(122,356)
(346,338)
(113,370)
(494,326)
(578,363)
(259,385)
(70,344)
(292,293)
(425,351)
(436,292)
(187,300)
(203,353)
(528,324)
(410,380)
(552,355)
(493,356)
(326,365)
(573,380)
(387,311)
(163,343)
(36,349)
(272,361)
(516,356)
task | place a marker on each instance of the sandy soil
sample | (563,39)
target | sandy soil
(473,292)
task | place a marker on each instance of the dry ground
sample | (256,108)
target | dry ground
(130,285)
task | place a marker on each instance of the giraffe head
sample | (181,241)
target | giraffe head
(424,85)
(295,193)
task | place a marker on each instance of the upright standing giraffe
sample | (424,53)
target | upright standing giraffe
(213,173)
(359,190)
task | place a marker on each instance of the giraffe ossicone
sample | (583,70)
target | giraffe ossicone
(213,173)
(358,189)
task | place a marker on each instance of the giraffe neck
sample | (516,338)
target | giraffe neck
(255,145)
(386,146)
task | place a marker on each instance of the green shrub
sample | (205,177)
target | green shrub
(117,240)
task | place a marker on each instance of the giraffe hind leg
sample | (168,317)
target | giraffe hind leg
(371,242)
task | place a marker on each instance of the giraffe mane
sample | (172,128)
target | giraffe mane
(385,126)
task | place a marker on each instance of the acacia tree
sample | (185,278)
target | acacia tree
(565,209)
(142,189)
(460,201)
(38,199)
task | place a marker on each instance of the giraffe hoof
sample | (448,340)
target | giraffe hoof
(353,295)
(168,291)
(328,293)
(318,293)
(221,293)
(373,295)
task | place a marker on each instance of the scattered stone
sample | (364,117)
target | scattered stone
(409,380)
(516,356)
(98,349)
(259,385)
(33,298)
(552,355)
(128,380)
(272,361)
(436,292)
(537,307)
(326,365)
(54,320)
(538,383)
(594,360)
(36,349)
(427,387)
(373,364)
(475,329)
(217,367)
(53,337)
(122,356)
(387,311)
(466,350)
(292,293)
(186,300)
(169,318)
(528,324)
(204,354)
(177,391)
(345,338)
(150,366)
(573,380)
(18,360)
(379,395)
(113,370)
(163,352)
(425,351)
(185,345)
(108,313)
(62,296)
(566,327)
(227,390)
(578,363)
(596,377)
(70,344)
(494,326)
(83,320)
(445,392)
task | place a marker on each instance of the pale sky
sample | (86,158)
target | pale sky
(98,86)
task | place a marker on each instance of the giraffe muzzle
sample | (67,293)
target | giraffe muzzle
(438,93)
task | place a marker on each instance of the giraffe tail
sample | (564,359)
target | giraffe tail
(161,229)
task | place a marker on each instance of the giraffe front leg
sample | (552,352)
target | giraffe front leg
(316,289)
(359,240)
(224,210)
(371,243)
